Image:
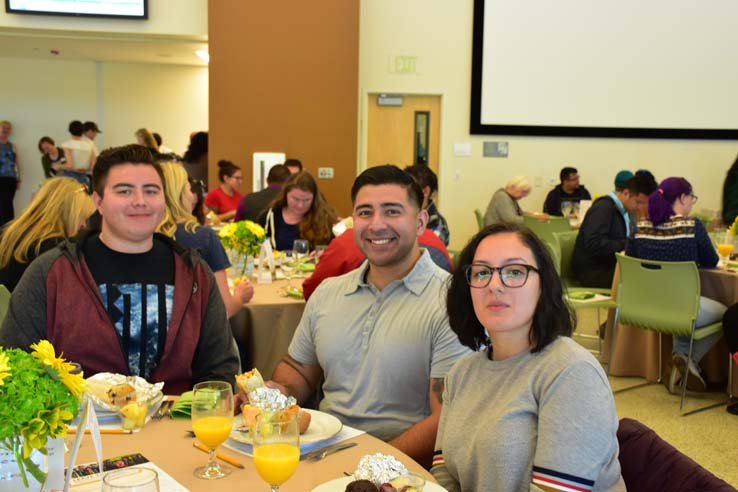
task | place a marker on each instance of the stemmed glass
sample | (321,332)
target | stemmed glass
(276,447)
(212,421)
(725,248)
(288,266)
(300,248)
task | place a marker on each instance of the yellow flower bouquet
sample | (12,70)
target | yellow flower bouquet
(244,237)
(39,397)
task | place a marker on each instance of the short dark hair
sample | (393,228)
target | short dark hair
(157,137)
(226,169)
(44,140)
(424,175)
(198,146)
(641,184)
(565,172)
(293,163)
(388,174)
(90,125)
(278,174)
(552,316)
(116,156)
(76,128)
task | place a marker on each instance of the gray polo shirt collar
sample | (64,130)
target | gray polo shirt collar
(415,281)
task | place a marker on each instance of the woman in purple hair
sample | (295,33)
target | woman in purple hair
(672,235)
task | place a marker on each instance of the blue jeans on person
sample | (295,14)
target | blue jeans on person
(710,311)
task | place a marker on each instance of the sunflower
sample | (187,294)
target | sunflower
(4,367)
(44,352)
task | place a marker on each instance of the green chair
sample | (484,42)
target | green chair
(480,218)
(4,301)
(545,230)
(663,296)
(577,294)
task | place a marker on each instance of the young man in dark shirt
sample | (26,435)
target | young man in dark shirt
(125,299)
(568,191)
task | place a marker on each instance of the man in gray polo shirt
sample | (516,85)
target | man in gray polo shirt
(379,335)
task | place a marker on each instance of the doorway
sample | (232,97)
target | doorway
(405,132)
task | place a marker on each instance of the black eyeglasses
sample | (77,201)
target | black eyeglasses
(513,275)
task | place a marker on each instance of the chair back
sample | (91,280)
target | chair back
(658,295)
(4,301)
(565,244)
(480,218)
(545,230)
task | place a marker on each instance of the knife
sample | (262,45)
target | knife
(319,454)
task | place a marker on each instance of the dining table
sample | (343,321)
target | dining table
(167,444)
(263,328)
(636,351)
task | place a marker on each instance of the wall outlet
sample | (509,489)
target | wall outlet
(325,173)
(495,149)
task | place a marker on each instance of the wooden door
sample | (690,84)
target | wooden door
(391,131)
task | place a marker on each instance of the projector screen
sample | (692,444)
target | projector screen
(129,9)
(626,68)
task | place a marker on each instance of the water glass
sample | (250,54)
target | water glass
(288,266)
(319,250)
(131,480)
(300,248)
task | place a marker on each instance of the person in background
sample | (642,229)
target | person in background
(198,210)
(79,153)
(124,299)
(52,157)
(195,159)
(9,173)
(730,195)
(504,207)
(730,330)
(428,182)
(163,149)
(224,199)
(672,235)
(343,255)
(534,409)
(89,132)
(568,190)
(604,232)
(299,211)
(58,211)
(145,138)
(377,338)
(294,165)
(180,224)
(254,204)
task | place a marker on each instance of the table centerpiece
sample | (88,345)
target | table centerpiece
(244,237)
(40,395)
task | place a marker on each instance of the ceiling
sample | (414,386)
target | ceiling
(94,46)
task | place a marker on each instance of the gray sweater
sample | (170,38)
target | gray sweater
(503,208)
(527,422)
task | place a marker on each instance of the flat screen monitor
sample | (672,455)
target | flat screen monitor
(126,9)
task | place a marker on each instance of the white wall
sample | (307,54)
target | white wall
(167,17)
(41,97)
(439,33)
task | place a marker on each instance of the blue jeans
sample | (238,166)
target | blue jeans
(710,311)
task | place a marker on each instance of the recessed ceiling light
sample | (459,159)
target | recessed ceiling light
(204,56)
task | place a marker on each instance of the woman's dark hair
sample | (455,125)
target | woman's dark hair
(552,316)
(76,128)
(661,201)
(198,188)
(226,169)
(198,147)
(44,140)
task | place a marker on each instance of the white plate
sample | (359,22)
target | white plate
(339,485)
(322,426)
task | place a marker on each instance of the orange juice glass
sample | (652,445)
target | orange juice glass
(276,441)
(212,431)
(212,421)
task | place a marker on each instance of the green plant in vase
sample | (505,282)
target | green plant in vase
(39,397)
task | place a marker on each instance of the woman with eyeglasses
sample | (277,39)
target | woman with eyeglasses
(670,234)
(533,410)
(299,211)
(224,199)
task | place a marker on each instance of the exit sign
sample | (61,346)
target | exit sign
(404,64)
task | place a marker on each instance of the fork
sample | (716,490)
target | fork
(163,409)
